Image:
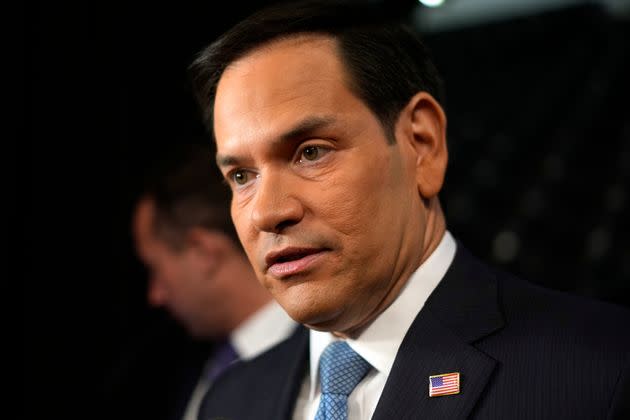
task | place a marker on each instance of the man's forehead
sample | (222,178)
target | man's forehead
(279,60)
(280,67)
(144,214)
(271,96)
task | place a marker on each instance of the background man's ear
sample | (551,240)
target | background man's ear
(208,245)
(428,138)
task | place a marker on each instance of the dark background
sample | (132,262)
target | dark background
(539,136)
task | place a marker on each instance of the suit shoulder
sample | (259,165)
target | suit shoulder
(520,294)
(587,321)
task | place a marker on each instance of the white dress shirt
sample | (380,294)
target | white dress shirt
(264,329)
(380,341)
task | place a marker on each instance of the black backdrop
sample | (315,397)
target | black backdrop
(540,155)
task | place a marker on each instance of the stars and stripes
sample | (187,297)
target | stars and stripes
(444,384)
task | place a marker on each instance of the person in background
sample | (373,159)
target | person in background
(330,131)
(200,275)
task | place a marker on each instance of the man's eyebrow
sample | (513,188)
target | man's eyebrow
(225,160)
(301,129)
(305,128)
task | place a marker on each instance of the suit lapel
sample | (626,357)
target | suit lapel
(434,350)
(461,310)
(291,362)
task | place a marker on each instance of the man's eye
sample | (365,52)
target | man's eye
(311,153)
(240,176)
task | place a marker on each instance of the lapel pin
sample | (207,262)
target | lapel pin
(444,384)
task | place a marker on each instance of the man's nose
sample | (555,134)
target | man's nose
(276,205)
(156,293)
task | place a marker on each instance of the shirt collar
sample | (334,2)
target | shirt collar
(254,335)
(380,341)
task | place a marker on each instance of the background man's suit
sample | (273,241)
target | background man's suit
(523,352)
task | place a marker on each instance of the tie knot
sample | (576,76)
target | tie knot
(341,369)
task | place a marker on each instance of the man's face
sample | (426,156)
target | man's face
(179,279)
(328,212)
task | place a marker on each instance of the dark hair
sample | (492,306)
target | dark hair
(188,191)
(387,62)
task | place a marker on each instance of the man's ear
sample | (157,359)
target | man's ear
(208,246)
(425,131)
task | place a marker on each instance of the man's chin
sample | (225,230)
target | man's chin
(320,320)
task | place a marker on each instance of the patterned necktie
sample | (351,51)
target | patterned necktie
(340,370)
(221,359)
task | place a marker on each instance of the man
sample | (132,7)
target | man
(330,132)
(199,273)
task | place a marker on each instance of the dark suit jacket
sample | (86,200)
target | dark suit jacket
(523,352)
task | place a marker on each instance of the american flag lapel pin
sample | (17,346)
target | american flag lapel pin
(444,384)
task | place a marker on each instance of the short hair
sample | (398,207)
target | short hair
(386,61)
(188,191)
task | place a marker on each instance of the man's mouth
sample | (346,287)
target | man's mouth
(291,261)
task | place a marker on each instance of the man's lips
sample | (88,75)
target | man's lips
(292,260)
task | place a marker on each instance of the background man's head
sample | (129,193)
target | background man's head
(329,132)
(185,237)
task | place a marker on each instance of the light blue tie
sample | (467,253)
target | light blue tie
(340,370)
